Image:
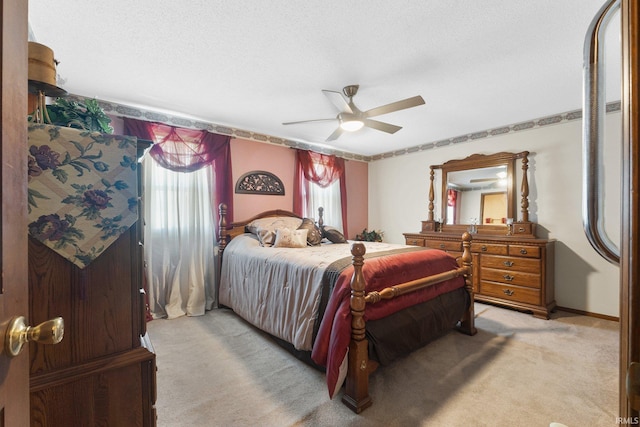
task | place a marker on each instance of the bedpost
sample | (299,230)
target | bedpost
(320,217)
(222,242)
(356,395)
(467,325)
(222,227)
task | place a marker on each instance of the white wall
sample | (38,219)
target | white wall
(398,201)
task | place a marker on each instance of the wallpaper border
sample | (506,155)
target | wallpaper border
(146,114)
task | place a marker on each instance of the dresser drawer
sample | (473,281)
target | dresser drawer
(522,228)
(444,245)
(525,251)
(510,293)
(524,265)
(489,248)
(510,277)
(414,241)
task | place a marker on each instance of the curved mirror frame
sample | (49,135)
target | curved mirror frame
(487,183)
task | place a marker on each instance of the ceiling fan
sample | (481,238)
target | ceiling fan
(351,118)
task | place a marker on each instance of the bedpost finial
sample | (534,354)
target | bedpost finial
(358,249)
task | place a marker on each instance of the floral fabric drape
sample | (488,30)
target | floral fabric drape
(322,170)
(82,192)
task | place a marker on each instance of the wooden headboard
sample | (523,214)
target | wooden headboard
(229,231)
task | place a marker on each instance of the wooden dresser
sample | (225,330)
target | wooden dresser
(507,270)
(511,267)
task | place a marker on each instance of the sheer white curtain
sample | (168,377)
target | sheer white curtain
(179,240)
(329,199)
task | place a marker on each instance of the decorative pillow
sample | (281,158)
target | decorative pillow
(286,238)
(266,237)
(314,235)
(265,228)
(333,235)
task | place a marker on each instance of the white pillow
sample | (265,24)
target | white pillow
(287,238)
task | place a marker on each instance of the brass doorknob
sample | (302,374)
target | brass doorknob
(18,333)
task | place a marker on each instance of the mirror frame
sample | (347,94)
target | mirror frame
(479,161)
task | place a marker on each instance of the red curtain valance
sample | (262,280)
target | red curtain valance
(323,170)
(187,150)
(179,149)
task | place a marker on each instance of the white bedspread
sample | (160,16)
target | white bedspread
(278,289)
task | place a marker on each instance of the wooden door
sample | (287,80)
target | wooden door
(630,241)
(14,372)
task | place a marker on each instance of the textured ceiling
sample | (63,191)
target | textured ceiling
(252,65)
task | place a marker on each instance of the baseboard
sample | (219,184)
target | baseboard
(587,313)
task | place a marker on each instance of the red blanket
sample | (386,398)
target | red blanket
(333,337)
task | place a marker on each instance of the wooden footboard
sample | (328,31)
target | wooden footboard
(356,394)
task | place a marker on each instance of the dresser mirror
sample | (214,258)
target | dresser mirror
(479,193)
(480,196)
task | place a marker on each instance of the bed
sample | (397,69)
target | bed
(348,306)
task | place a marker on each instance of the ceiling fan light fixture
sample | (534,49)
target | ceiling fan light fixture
(351,125)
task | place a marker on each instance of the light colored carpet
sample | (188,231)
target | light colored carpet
(216,370)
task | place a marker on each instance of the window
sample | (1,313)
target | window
(176,196)
(320,182)
(329,199)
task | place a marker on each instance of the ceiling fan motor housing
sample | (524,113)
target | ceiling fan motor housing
(350,91)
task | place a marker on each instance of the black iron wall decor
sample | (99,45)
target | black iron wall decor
(259,182)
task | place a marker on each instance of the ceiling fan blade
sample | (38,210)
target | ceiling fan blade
(395,106)
(382,126)
(310,121)
(338,100)
(335,135)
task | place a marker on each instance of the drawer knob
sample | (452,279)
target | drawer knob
(508,263)
(521,229)
(483,248)
(523,251)
(441,245)
(508,277)
(508,292)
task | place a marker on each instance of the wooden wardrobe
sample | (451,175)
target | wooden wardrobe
(103,371)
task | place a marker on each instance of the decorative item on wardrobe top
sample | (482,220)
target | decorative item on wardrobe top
(478,194)
(42,81)
(260,182)
(87,114)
